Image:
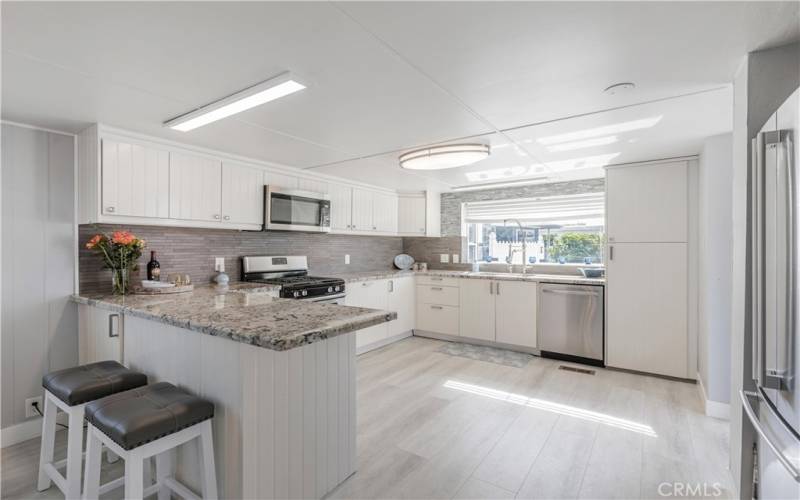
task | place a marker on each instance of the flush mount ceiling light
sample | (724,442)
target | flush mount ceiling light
(619,88)
(447,156)
(274,88)
(616,128)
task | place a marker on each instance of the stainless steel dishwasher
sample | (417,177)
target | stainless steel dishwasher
(570,322)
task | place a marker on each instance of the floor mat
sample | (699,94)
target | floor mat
(484,353)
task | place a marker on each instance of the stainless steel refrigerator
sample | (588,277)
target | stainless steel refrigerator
(774,406)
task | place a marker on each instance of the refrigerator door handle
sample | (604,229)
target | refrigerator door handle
(756,238)
(751,415)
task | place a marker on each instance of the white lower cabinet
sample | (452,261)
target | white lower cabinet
(373,295)
(647,308)
(478,313)
(100,335)
(438,305)
(437,318)
(401,300)
(515,305)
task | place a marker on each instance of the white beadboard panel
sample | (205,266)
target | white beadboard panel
(39,324)
(135,180)
(242,194)
(284,424)
(195,187)
(88,175)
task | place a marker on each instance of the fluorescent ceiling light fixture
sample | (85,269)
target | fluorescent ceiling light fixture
(492,185)
(258,94)
(616,128)
(558,408)
(588,143)
(446,156)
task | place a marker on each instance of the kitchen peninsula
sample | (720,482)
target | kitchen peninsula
(280,372)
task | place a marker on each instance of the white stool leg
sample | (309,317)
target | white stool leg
(134,477)
(164,464)
(209,470)
(48,441)
(94,455)
(74,453)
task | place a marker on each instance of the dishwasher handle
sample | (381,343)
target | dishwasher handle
(558,291)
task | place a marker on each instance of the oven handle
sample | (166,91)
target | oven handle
(326,298)
(751,414)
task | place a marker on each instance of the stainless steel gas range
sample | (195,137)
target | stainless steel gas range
(291,273)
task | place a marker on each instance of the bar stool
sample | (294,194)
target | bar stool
(149,422)
(69,390)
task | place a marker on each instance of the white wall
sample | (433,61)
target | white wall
(39,327)
(716,237)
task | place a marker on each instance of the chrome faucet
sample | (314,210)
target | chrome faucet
(524,248)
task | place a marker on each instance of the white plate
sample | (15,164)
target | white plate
(156,284)
(404,261)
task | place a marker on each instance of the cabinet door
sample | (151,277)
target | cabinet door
(515,313)
(647,203)
(135,180)
(362,210)
(280,180)
(195,188)
(373,295)
(312,185)
(384,208)
(100,337)
(477,309)
(411,215)
(646,294)
(242,194)
(402,301)
(341,207)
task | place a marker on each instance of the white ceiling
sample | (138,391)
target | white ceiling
(385,77)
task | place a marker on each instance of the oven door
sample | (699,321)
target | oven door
(296,211)
(328,299)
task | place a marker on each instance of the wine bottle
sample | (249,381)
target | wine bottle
(153,268)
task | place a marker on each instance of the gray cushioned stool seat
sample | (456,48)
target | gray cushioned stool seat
(85,383)
(138,416)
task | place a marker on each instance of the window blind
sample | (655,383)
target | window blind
(566,210)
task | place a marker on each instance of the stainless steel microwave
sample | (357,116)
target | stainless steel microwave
(293,210)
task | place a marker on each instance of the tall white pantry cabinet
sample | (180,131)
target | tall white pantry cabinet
(647,255)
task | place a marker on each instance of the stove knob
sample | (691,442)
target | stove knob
(305,292)
(336,289)
(330,289)
(296,294)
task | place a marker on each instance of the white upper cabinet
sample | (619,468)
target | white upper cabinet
(135,180)
(384,213)
(341,207)
(411,215)
(242,194)
(280,180)
(312,185)
(362,210)
(647,203)
(195,187)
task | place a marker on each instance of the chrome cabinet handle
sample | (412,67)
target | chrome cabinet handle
(436,307)
(109,209)
(497,287)
(491,288)
(437,288)
(434,278)
(391,286)
(611,252)
(227,217)
(113,332)
(374,228)
(751,414)
(216,216)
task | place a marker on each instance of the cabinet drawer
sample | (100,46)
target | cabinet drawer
(437,281)
(437,319)
(437,294)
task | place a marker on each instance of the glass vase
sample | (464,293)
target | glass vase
(121,280)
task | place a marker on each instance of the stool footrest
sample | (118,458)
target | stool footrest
(56,476)
(180,488)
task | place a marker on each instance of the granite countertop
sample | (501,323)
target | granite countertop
(498,276)
(245,313)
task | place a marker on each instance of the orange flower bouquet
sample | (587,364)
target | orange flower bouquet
(120,252)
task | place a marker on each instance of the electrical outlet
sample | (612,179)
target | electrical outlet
(30,411)
(347,258)
(444,258)
(219,264)
(455,258)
